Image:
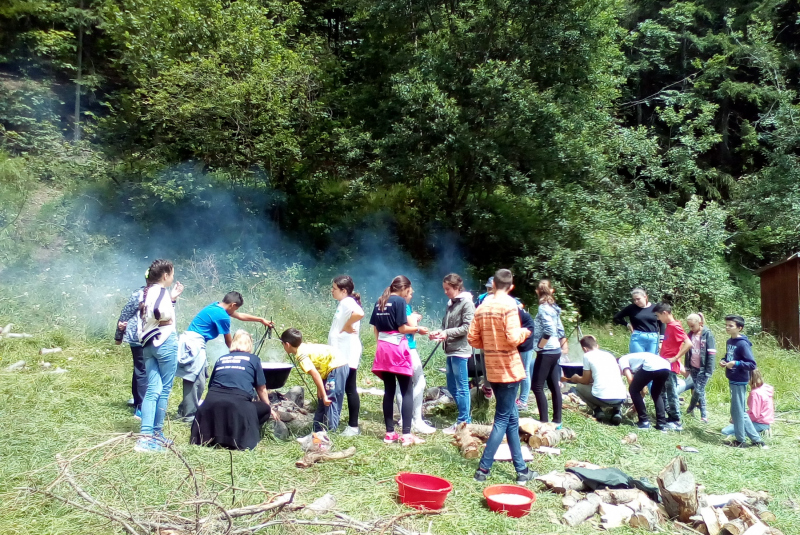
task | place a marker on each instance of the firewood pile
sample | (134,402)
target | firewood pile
(684,501)
(295,418)
(469,438)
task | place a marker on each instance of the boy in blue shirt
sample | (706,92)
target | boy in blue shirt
(209,323)
(738,364)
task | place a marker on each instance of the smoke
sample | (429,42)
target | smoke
(218,238)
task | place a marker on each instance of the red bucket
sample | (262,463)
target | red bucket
(422,491)
(512,510)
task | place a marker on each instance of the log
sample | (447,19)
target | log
(614,516)
(757,529)
(734,527)
(710,520)
(529,425)
(469,446)
(678,490)
(644,520)
(311,458)
(767,516)
(581,464)
(620,496)
(480,431)
(561,482)
(582,511)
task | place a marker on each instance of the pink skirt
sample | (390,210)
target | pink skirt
(393,358)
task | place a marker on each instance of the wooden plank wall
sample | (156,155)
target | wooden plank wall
(780,302)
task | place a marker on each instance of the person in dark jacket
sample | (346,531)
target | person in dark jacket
(127,328)
(642,322)
(229,417)
(699,362)
(738,364)
(526,354)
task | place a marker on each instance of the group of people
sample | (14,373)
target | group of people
(516,353)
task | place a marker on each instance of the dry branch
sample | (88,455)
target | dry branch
(311,458)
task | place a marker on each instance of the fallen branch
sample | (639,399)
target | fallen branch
(309,459)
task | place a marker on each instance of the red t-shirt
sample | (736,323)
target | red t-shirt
(673,340)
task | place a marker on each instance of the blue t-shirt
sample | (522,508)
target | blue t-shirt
(211,322)
(391,317)
(412,344)
(238,370)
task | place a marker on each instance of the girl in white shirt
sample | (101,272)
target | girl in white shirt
(344,336)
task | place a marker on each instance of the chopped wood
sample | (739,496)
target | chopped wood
(529,425)
(621,496)
(469,445)
(582,511)
(310,459)
(720,500)
(711,520)
(767,516)
(581,464)
(480,431)
(614,516)
(550,438)
(734,527)
(561,482)
(644,519)
(678,490)
(757,529)
(569,501)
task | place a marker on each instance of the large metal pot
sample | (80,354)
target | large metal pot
(276,374)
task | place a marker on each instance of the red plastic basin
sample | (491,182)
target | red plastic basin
(422,491)
(512,510)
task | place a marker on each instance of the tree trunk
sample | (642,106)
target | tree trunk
(678,490)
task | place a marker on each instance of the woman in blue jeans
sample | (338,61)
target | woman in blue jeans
(160,349)
(455,327)
(642,322)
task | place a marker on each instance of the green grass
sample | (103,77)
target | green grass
(42,414)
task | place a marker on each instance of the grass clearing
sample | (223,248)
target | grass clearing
(42,414)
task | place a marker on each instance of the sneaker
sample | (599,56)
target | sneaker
(760,445)
(644,425)
(411,440)
(422,428)
(522,406)
(524,477)
(663,428)
(450,430)
(559,426)
(148,445)
(616,417)
(351,432)
(161,439)
(704,420)
(138,414)
(488,393)
(131,402)
(480,475)
(599,415)
(391,438)
(674,426)
(736,444)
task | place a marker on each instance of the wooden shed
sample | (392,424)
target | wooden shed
(780,300)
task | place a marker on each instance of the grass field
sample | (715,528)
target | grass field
(42,414)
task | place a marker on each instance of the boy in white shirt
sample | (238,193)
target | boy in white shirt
(601,385)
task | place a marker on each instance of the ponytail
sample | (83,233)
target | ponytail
(399,283)
(154,273)
(345,282)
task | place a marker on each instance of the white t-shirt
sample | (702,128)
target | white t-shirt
(605,373)
(346,343)
(650,362)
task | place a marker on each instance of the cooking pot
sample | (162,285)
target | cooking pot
(276,374)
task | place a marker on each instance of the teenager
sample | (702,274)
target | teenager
(641,369)
(211,322)
(496,330)
(600,386)
(126,332)
(526,354)
(455,328)
(738,363)
(699,362)
(549,342)
(392,357)
(229,416)
(156,333)
(676,344)
(344,337)
(640,319)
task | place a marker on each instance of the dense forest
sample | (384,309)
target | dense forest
(603,143)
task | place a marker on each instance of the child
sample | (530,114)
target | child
(738,364)
(760,407)
(675,345)
(343,336)
(641,369)
(329,370)
(700,362)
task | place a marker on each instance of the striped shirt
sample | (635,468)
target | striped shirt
(496,330)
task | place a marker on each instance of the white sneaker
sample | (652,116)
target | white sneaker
(450,430)
(419,426)
(350,432)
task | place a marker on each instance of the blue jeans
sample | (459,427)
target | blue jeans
(458,386)
(525,385)
(506,424)
(672,403)
(741,422)
(642,342)
(700,379)
(760,428)
(160,363)
(327,418)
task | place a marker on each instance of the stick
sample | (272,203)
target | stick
(431,355)
(410,513)
(312,458)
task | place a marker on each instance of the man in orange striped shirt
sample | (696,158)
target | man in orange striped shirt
(496,330)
